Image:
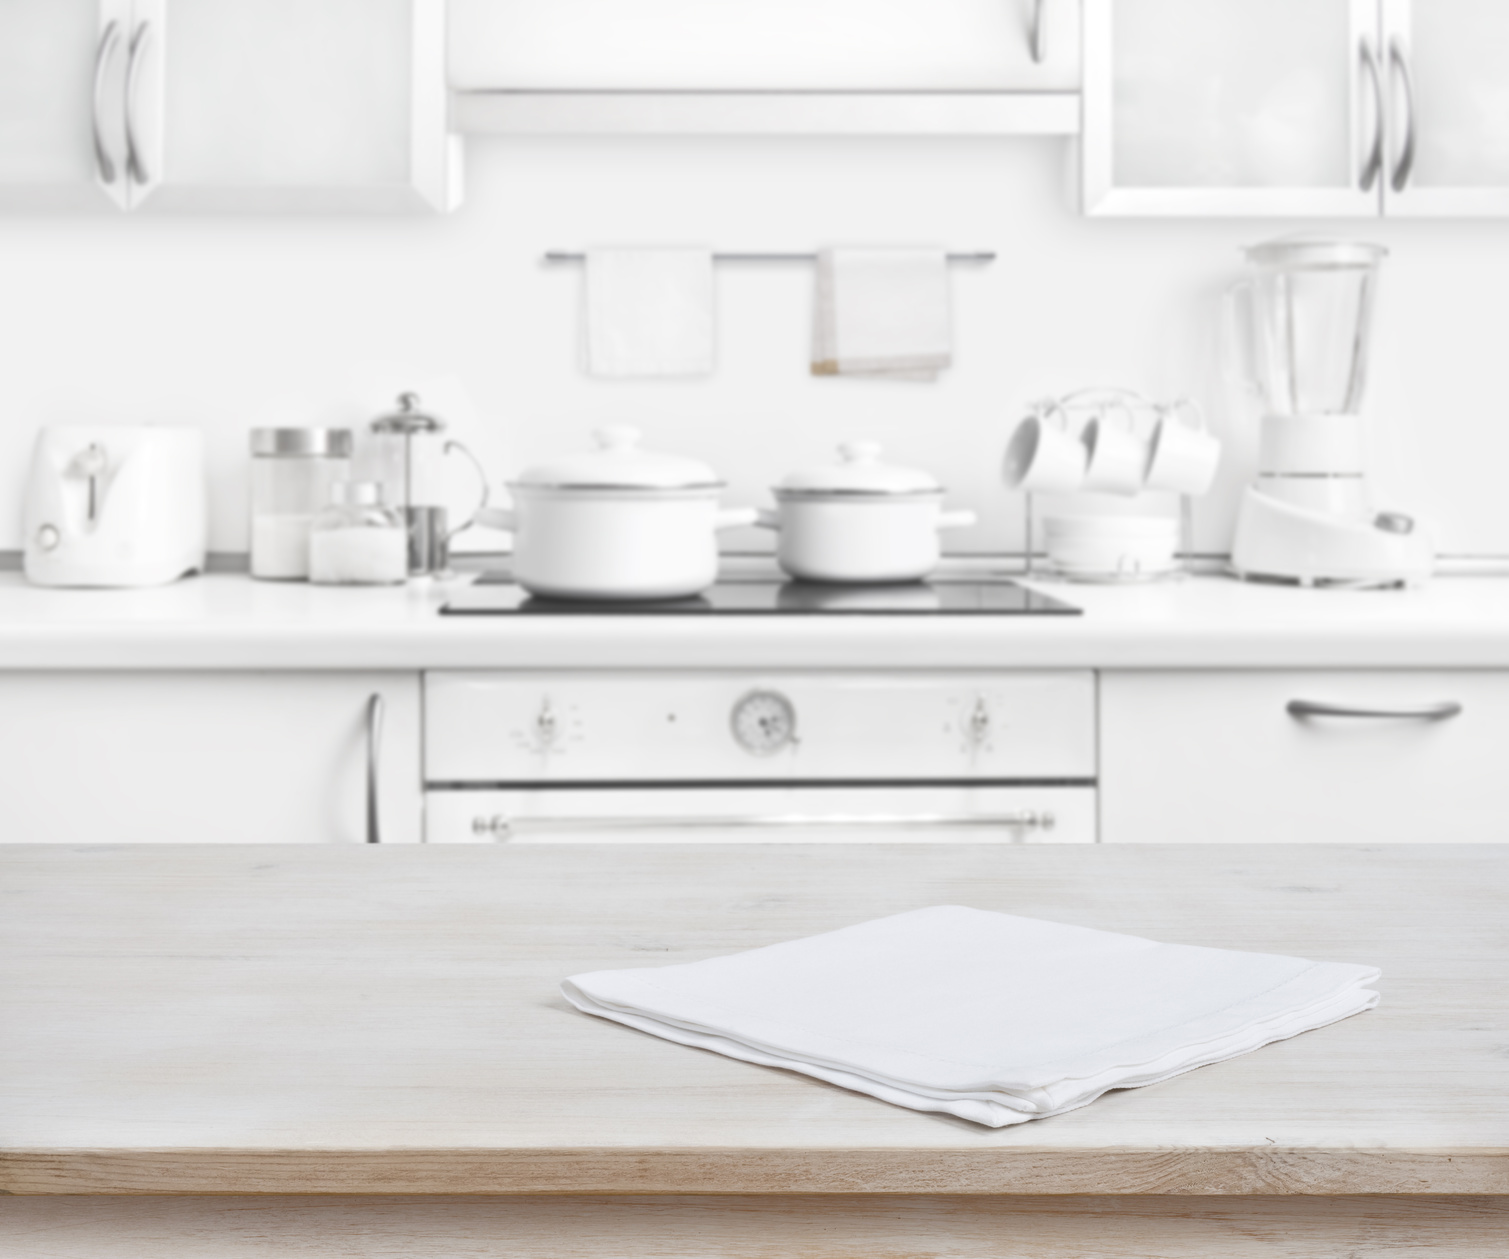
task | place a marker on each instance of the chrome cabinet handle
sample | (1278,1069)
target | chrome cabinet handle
(374,755)
(1038,41)
(1425,712)
(1406,162)
(106,50)
(136,167)
(502,828)
(1374,165)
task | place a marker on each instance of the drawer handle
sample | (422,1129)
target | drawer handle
(502,828)
(374,761)
(1444,711)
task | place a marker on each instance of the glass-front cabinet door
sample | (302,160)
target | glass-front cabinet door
(1446,65)
(1232,107)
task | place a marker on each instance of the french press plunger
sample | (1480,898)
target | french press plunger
(407,450)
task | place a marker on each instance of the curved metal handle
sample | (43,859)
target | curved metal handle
(1374,165)
(1425,712)
(502,828)
(1406,162)
(1039,40)
(109,39)
(136,167)
(374,755)
(482,480)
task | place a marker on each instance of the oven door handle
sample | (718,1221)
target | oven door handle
(502,828)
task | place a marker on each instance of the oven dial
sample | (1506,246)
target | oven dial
(764,722)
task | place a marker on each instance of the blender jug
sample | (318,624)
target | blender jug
(1312,310)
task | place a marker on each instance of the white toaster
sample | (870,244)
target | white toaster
(115,506)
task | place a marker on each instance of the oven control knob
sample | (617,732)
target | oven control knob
(763,722)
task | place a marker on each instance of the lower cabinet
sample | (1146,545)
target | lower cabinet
(1304,757)
(233,758)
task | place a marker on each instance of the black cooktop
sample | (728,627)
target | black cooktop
(496,594)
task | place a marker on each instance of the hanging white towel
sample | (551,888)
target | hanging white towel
(986,1016)
(882,313)
(649,312)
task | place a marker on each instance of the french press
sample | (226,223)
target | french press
(407,450)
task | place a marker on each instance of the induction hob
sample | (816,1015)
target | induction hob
(495,594)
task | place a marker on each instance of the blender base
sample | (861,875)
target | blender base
(1279,541)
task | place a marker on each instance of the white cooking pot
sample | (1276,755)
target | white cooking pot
(616,523)
(860,520)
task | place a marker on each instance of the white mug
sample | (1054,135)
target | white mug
(1115,456)
(1182,457)
(1043,455)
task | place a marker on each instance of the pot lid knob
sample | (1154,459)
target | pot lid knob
(860,452)
(408,419)
(616,437)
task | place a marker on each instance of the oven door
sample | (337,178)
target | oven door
(763,814)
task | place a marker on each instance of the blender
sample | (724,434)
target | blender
(1309,517)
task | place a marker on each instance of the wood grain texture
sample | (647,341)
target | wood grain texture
(307,1020)
(872,1227)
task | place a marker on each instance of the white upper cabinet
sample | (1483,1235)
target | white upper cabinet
(790,64)
(1447,78)
(1296,107)
(48,55)
(242,105)
(1229,106)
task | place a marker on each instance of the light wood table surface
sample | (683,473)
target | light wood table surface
(364,1052)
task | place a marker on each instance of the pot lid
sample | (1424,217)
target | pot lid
(859,471)
(619,463)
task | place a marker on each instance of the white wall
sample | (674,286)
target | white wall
(235,322)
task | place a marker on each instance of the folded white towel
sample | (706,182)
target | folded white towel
(882,313)
(649,312)
(986,1016)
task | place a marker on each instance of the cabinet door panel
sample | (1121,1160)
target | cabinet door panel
(1215,757)
(1455,52)
(1228,106)
(48,50)
(251,758)
(780,45)
(296,104)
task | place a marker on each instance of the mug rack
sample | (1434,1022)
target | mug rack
(1077,409)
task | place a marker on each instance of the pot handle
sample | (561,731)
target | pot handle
(956,519)
(496,518)
(736,517)
(767,518)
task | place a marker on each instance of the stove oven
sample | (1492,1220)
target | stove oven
(532,757)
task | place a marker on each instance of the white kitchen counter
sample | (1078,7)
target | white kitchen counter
(233,622)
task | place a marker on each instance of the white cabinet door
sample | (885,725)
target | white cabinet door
(777,45)
(1230,107)
(246,758)
(1219,757)
(58,61)
(1448,151)
(293,105)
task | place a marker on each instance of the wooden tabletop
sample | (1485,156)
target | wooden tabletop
(387,1020)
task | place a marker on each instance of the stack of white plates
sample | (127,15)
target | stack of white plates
(1112,548)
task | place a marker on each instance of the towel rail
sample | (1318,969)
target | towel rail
(981,257)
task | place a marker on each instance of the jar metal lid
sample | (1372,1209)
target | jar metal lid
(302,443)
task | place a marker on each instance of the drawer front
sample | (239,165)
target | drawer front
(742,815)
(1219,757)
(501,729)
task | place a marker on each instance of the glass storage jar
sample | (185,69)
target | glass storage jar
(357,540)
(293,470)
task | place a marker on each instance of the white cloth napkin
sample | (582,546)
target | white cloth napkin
(649,312)
(882,313)
(986,1016)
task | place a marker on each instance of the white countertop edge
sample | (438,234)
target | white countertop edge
(230,622)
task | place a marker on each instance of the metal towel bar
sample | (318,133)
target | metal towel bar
(557,256)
